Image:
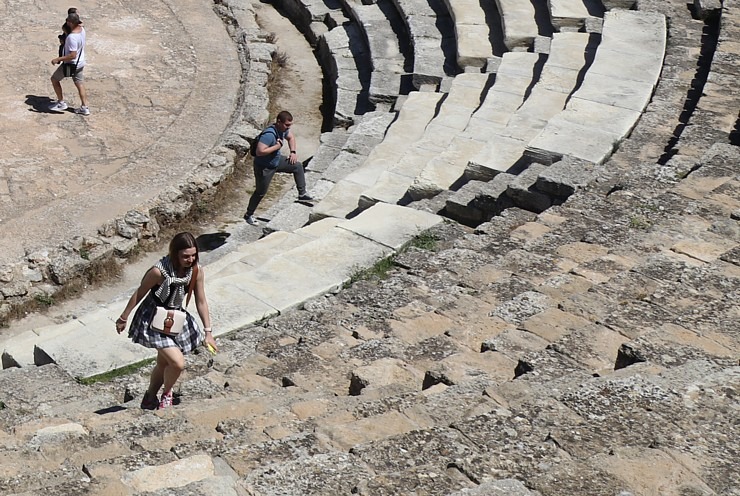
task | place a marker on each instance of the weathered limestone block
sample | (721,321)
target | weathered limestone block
(522,191)
(564,177)
(66,266)
(384,372)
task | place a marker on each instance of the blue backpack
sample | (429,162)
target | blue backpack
(253,144)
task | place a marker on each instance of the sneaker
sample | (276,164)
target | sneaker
(305,197)
(166,400)
(82,110)
(251,220)
(149,401)
(59,106)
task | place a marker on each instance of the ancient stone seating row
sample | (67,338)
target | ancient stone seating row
(573,14)
(377,21)
(458,105)
(416,112)
(260,280)
(516,74)
(716,112)
(345,60)
(615,90)
(569,55)
(518,23)
(432,35)
(471,32)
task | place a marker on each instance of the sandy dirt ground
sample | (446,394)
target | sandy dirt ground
(301,94)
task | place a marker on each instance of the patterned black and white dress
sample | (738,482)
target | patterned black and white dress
(171,294)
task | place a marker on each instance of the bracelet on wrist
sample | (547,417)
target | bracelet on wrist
(292,151)
(121,319)
(207,330)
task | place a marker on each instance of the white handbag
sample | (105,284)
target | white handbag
(170,321)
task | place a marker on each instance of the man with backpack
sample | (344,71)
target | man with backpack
(268,160)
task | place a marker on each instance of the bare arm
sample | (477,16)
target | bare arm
(263,149)
(293,150)
(152,278)
(67,58)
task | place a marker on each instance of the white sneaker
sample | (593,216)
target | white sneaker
(82,110)
(60,105)
(251,220)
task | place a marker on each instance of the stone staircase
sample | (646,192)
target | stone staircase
(590,347)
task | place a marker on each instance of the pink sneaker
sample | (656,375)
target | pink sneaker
(166,400)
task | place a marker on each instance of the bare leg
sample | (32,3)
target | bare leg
(57,89)
(157,378)
(175,365)
(83,93)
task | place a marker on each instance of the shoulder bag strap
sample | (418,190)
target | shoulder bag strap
(191,285)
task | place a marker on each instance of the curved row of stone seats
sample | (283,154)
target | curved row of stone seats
(432,35)
(717,110)
(518,23)
(345,60)
(349,150)
(388,63)
(314,18)
(615,90)
(416,112)
(261,280)
(465,95)
(516,74)
(574,14)
(472,33)
(569,56)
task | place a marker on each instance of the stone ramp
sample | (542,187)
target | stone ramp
(268,278)
(615,91)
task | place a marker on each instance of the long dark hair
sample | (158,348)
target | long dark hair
(182,241)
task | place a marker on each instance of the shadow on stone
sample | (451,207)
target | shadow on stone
(41,104)
(211,241)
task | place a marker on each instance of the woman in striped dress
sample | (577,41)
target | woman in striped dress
(166,284)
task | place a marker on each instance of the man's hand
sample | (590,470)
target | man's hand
(55,61)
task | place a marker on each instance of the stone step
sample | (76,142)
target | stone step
(573,14)
(452,118)
(471,33)
(345,59)
(432,33)
(623,74)
(415,113)
(518,23)
(505,146)
(377,22)
(447,170)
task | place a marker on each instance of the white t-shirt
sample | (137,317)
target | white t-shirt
(76,43)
